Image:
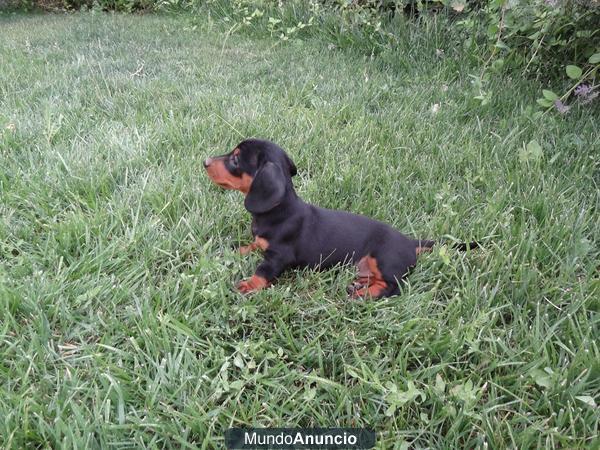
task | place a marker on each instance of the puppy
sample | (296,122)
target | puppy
(293,233)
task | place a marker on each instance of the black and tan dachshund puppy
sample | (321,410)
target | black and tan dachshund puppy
(293,233)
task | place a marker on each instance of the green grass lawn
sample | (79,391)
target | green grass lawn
(118,323)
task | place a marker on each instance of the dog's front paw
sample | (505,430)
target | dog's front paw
(253,284)
(245,249)
(244,287)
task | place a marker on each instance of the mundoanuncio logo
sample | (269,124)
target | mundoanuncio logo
(299,438)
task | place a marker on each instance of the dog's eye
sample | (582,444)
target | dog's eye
(235,160)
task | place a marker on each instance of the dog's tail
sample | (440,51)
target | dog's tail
(464,246)
(427,245)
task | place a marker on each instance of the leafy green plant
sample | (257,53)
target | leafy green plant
(536,37)
(583,86)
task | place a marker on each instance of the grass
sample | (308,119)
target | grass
(118,323)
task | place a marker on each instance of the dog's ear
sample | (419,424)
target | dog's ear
(291,166)
(267,189)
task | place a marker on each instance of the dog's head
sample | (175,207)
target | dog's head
(259,169)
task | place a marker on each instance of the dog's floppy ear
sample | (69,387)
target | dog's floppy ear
(291,166)
(267,189)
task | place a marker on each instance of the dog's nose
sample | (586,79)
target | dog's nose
(207,162)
